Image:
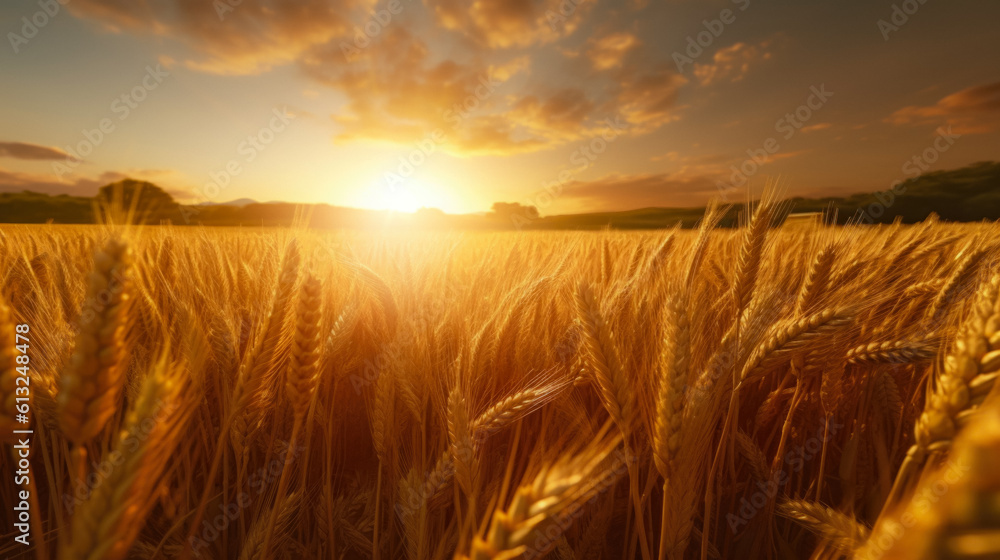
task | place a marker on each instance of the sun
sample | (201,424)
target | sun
(407,195)
(403,200)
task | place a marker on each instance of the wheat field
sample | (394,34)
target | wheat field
(759,392)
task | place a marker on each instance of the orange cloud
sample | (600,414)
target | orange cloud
(974,110)
(399,85)
(510,23)
(647,100)
(566,111)
(608,51)
(398,92)
(628,192)
(732,63)
(815,127)
(247,37)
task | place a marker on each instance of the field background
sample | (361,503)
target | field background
(282,393)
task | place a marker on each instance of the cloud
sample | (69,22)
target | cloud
(816,127)
(566,110)
(608,51)
(974,110)
(397,93)
(13,181)
(24,150)
(501,24)
(81,185)
(628,192)
(646,100)
(401,77)
(248,37)
(732,63)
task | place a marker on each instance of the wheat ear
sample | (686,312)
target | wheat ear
(557,490)
(280,517)
(816,279)
(963,521)
(90,388)
(500,415)
(614,388)
(303,370)
(793,338)
(963,271)
(300,383)
(751,251)
(838,530)
(670,397)
(969,374)
(462,444)
(893,352)
(107,524)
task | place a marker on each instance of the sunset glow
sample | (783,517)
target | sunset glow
(321,100)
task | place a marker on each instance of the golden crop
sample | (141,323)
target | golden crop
(806,392)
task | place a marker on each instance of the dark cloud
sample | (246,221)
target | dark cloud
(974,110)
(24,150)
(12,181)
(627,192)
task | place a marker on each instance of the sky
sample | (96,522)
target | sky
(567,105)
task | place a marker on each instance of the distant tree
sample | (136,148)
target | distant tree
(152,204)
(518,214)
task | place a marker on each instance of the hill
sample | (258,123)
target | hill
(967,194)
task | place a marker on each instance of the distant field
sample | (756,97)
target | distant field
(748,393)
